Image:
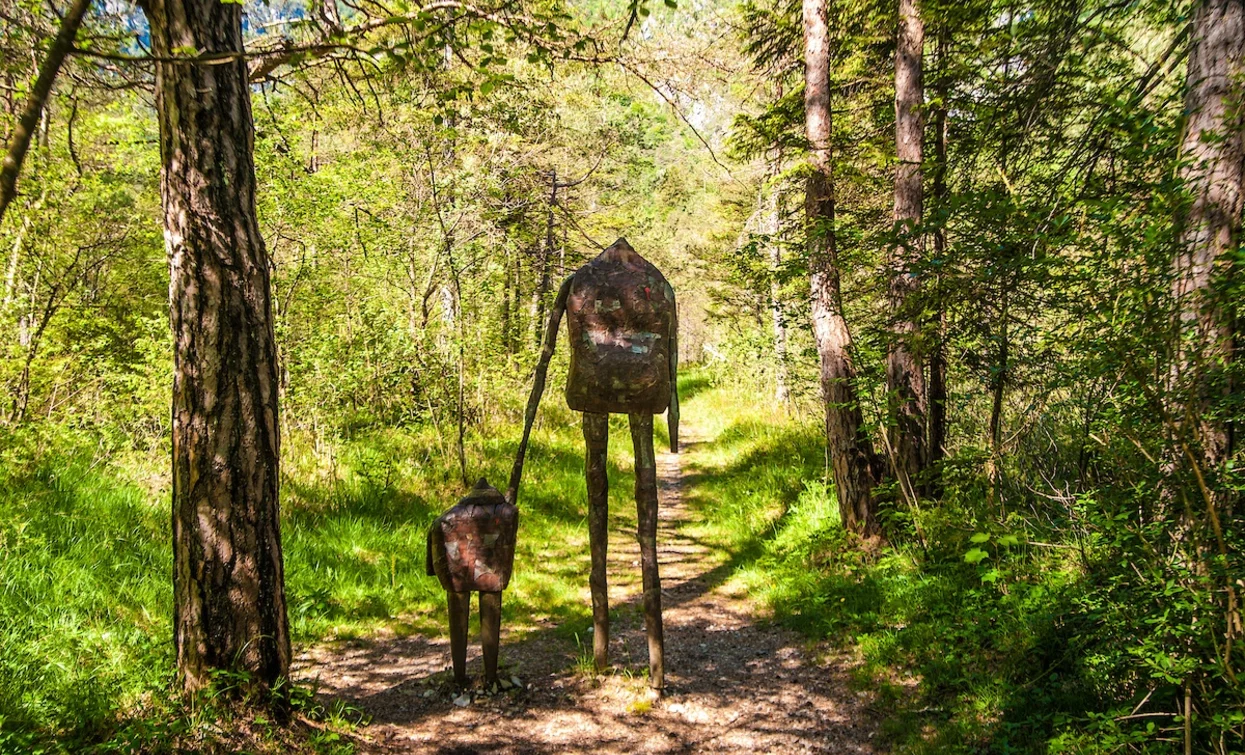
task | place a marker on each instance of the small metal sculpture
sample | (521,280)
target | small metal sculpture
(471,549)
(623,333)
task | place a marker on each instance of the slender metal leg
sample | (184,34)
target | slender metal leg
(646,510)
(596,436)
(490,633)
(460,612)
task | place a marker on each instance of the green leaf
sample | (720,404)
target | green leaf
(975,556)
(1008,541)
(979,537)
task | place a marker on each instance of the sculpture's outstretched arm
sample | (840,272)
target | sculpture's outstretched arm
(672,414)
(538,386)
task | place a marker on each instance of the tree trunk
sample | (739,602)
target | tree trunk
(937,402)
(782,389)
(506,343)
(228,580)
(32,339)
(905,377)
(516,312)
(458,324)
(998,390)
(773,229)
(10,276)
(545,258)
(1213,169)
(851,453)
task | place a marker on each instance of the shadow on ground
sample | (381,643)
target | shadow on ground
(733,684)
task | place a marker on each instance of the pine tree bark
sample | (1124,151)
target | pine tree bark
(1213,169)
(228,580)
(905,376)
(852,459)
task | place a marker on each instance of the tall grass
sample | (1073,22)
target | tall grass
(85,600)
(86,558)
(1017,649)
(1012,649)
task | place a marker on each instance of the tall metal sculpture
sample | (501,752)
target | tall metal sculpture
(623,333)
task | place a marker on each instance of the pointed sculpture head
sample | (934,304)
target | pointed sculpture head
(471,546)
(620,320)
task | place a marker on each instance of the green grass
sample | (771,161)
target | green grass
(964,658)
(1016,653)
(84,598)
(85,560)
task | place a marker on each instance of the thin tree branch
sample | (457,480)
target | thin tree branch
(20,142)
(678,111)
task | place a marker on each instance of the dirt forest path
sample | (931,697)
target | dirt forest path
(734,684)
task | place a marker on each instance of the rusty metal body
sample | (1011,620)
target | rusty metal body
(623,333)
(471,549)
(471,546)
(621,326)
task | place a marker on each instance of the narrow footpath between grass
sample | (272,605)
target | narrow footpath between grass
(735,683)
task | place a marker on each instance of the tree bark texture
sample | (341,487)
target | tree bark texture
(228,581)
(1213,168)
(905,377)
(851,453)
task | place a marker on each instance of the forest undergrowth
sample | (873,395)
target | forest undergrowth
(1015,225)
(85,633)
(978,632)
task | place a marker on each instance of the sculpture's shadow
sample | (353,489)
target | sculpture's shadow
(732,684)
